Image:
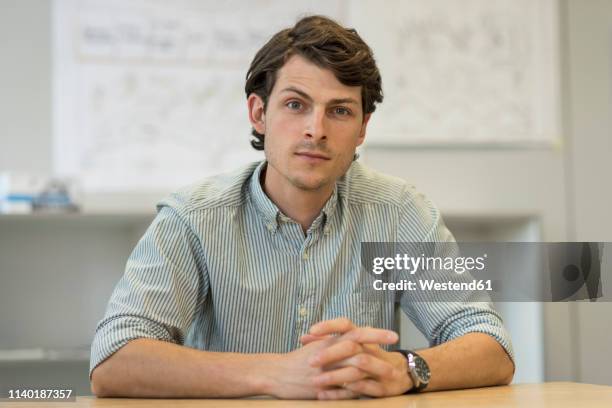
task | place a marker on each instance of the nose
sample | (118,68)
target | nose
(316,125)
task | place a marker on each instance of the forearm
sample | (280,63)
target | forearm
(472,360)
(153,368)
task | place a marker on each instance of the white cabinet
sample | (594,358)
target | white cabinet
(56,275)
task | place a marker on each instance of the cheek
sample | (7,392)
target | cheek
(283,130)
(347,138)
(279,140)
(288,127)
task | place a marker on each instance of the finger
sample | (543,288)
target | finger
(374,350)
(309,338)
(371,388)
(334,353)
(339,325)
(372,366)
(336,394)
(339,377)
(370,335)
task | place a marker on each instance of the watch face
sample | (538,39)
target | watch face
(421,369)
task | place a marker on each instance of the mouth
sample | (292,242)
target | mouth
(312,157)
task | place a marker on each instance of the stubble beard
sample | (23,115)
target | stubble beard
(297,182)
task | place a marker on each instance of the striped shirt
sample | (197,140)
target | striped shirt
(221,268)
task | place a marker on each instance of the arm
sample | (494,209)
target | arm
(158,369)
(359,368)
(470,347)
(472,360)
(152,368)
(164,283)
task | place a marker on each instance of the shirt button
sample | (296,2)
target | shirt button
(305,256)
(270,227)
(303,312)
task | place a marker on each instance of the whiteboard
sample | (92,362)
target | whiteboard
(464,73)
(149,94)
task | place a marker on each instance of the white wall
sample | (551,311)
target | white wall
(589,125)
(25,84)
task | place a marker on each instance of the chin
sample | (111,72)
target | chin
(310,184)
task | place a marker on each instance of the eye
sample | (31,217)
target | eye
(342,111)
(294,105)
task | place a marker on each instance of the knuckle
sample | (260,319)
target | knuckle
(359,374)
(357,386)
(354,373)
(331,378)
(351,347)
(362,360)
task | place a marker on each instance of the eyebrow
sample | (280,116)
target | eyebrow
(309,98)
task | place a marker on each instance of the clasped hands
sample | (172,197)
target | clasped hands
(339,360)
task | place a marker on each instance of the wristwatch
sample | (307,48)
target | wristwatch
(417,369)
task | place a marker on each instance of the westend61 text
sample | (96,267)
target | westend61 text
(432,285)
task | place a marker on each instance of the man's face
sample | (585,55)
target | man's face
(312,126)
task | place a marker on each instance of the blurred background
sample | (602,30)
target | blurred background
(498,110)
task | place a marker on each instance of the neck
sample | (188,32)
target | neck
(302,206)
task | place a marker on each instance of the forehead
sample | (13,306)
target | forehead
(319,83)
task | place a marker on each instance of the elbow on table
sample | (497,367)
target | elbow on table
(507,371)
(508,378)
(100,384)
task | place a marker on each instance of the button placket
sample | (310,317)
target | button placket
(302,306)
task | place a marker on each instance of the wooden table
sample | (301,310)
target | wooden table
(556,394)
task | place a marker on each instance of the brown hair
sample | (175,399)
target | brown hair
(328,45)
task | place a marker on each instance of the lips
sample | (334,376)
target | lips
(312,155)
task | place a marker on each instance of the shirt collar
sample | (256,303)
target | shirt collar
(271,213)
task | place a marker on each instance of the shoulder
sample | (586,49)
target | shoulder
(222,190)
(364,186)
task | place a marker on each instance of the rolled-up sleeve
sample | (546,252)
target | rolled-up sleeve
(445,317)
(164,282)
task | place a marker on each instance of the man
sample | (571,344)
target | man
(248,283)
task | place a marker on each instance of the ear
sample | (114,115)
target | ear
(257,115)
(362,132)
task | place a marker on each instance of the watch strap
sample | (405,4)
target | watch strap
(418,384)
